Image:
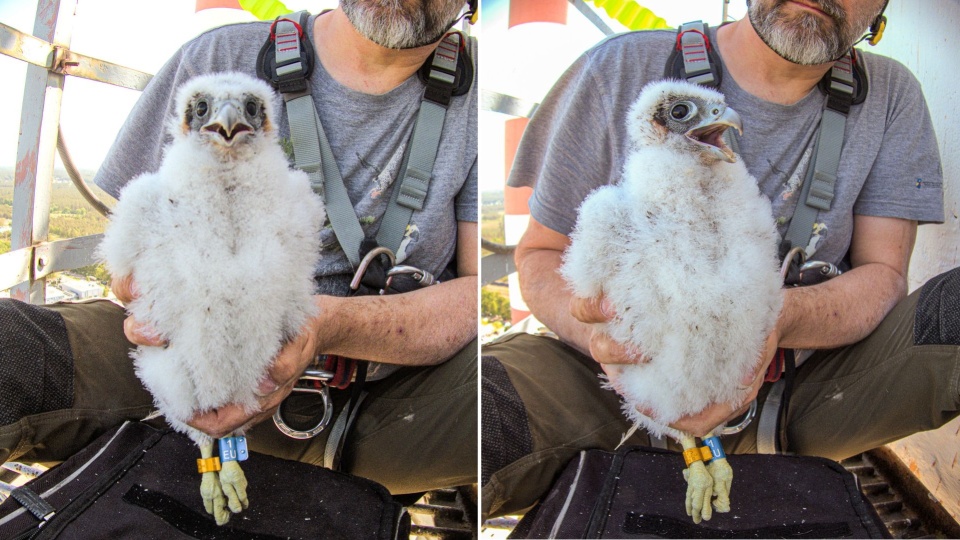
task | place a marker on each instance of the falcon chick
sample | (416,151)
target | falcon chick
(222,242)
(684,246)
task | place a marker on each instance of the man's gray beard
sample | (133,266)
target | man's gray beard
(391,24)
(806,38)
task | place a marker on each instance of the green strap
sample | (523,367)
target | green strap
(821,179)
(313,155)
(411,193)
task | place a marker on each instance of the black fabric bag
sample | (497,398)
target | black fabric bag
(639,492)
(141,482)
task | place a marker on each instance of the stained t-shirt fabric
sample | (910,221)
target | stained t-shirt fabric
(889,164)
(367,133)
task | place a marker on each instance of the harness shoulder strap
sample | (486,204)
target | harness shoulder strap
(289,71)
(288,68)
(693,58)
(820,183)
(411,193)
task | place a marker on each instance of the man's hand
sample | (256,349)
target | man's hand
(291,361)
(609,353)
(125,289)
(703,422)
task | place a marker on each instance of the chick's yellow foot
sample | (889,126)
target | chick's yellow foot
(234,484)
(213,500)
(699,491)
(722,475)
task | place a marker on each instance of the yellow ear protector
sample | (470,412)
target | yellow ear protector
(473,11)
(876,30)
(875,33)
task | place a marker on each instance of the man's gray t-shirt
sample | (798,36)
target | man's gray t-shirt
(367,133)
(889,165)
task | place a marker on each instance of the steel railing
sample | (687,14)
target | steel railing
(33,257)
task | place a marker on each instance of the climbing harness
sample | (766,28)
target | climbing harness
(340,372)
(286,61)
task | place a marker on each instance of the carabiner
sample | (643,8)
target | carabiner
(733,430)
(312,432)
(422,277)
(365,263)
(324,391)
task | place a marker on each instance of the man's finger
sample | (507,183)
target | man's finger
(286,366)
(124,288)
(142,334)
(591,310)
(607,351)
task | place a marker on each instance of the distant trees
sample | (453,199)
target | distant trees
(494,305)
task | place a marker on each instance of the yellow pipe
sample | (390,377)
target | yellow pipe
(631,14)
(265,10)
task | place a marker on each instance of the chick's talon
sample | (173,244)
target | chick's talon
(699,492)
(213,500)
(234,484)
(722,475)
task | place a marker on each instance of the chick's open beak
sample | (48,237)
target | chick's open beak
(709,134)
(227,122)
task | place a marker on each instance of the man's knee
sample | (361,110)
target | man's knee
(937,319)
(505,433)
(36,366)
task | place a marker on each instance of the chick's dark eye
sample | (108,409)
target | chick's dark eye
(202,108)
(682,111)
(252,108)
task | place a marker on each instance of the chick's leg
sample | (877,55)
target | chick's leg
(699,485)
(722,475)
(210,490)
(234,484)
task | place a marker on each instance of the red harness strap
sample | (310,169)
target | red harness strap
(344,370)
(775,369)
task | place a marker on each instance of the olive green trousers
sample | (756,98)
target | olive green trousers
(542,401)
(66,377)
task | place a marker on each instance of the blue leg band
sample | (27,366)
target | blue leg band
(713,443)
(233,449)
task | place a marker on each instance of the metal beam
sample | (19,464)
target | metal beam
(592,16)
(61,255)
(37,145)
(496,266)
(502,103)
(21,46)
(15,267)
(38,52)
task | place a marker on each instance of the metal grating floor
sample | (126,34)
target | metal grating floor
(902,502)
(901,520)
(445,514)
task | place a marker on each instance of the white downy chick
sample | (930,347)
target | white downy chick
(684,246)
(222,242)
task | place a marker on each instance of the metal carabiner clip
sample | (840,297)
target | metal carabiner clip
(733,430)
(422,277)
(310,375)
(822,269)
(365,263)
